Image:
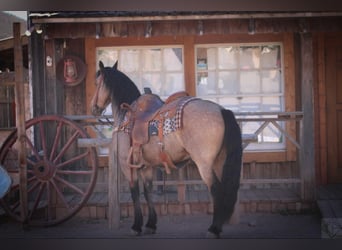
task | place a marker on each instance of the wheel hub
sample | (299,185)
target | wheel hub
(44,170)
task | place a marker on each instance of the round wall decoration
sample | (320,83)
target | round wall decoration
(71,70)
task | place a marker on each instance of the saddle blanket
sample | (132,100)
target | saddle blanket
(170,124)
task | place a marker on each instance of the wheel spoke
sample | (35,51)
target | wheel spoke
(70,185)
(36,154)
(42,138)
(30,161)
(59,192)
(38,197)
(55,142)
(75,172)
(49,201)
(34,186)
(72,160)
(66,146)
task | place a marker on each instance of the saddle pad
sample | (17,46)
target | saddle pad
(171,124)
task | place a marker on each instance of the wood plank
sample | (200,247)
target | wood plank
(307,153)
(94,142)
(20,118)
(114,186)
(290,92)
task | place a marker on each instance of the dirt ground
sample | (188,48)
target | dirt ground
(251,226)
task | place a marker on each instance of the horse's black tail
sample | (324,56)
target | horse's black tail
(225,191)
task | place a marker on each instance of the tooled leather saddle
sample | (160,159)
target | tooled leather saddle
(147,117)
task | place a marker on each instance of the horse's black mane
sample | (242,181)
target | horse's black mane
(122,88)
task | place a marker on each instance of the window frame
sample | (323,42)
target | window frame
(252,147)
(163,72)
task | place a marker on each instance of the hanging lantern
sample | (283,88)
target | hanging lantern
(70,70)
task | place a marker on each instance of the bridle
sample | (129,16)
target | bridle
(99,85)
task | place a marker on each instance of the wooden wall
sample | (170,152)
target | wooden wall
(300,37)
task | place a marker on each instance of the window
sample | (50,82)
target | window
(159,68)
(244,78)
(7,107)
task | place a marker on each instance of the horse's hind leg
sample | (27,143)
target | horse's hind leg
(151,224)
(219,215)
(138,217)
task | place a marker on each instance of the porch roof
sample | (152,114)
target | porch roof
(112,16)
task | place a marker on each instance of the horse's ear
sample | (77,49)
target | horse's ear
(115,66)
(101,65)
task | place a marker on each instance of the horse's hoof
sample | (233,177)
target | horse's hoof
(149,230)
(211,235)
(135,233)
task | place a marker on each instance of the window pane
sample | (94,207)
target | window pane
(250,82)
(211,58)
(228,57)
(206,84)
(250,57)
(174,83)
(270,134)
(271,81)
(129,60)
(231,103)
(202,59)
(173,59)
(151,60)
(107,56)
(152,81)
(250,104)
(228,82)
(270,56)
(271,104)
(250,127)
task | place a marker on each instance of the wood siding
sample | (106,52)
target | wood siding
(304,76)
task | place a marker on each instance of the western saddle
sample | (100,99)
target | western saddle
(147,109)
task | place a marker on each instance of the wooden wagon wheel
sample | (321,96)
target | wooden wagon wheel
(60,176)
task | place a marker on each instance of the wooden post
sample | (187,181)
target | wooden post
(235,218)
(307,153)
(181,186)
(20,120)
(113,184)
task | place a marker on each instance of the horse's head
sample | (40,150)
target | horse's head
(102,96)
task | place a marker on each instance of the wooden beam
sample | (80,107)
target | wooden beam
(113,185)
(20,118)
(9,43)
(180,17)
(307,154)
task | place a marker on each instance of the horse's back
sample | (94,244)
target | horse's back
(202,128)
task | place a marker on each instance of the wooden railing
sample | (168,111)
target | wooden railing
(265,118)
(114,185)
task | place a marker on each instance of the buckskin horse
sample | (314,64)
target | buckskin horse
(183,128)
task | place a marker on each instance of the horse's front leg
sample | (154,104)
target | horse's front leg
(151,225)
(138,217)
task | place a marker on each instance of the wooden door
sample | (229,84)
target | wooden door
(334,107)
